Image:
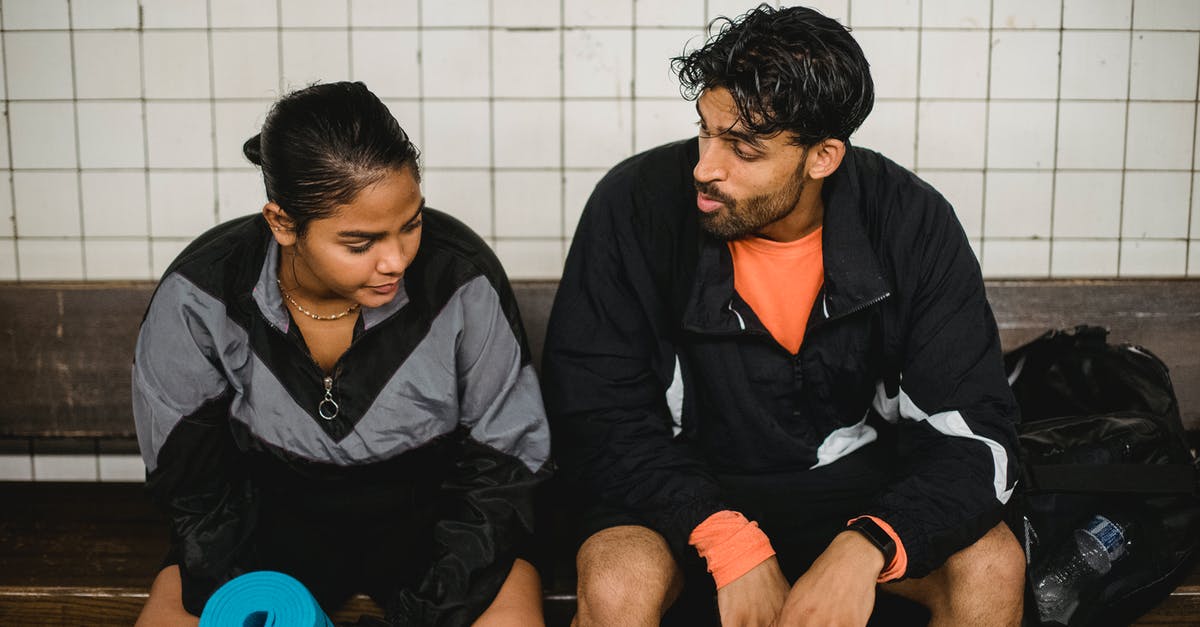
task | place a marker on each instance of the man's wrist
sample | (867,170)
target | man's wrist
(875,534)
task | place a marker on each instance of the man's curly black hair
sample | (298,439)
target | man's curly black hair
(789,69)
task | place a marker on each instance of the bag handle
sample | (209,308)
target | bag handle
(1113,478)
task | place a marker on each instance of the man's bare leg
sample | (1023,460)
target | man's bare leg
(627,577)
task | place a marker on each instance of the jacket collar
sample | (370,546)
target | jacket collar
(852,280)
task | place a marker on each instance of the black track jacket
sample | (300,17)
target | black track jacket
(657,375)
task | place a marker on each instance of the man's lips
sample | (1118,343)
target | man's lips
(707,204)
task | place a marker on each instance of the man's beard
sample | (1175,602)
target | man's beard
(743,218)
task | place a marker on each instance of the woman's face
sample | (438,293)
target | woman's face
(360,252)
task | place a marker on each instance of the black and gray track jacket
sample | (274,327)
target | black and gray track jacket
(658,376)
(438,410)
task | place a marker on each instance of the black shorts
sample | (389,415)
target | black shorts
(800,512)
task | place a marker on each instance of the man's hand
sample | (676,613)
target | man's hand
(838,589)
(754,598)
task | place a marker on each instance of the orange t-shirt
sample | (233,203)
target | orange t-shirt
(780,282)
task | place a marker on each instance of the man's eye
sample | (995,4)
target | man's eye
(742,154)
(409,228)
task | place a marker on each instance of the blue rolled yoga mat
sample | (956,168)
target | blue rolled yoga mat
(263,598)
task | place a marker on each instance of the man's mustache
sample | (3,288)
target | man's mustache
(710,190)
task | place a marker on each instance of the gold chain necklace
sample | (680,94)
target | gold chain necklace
(314,316)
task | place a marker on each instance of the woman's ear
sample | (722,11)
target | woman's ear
(826,157)
(282,227)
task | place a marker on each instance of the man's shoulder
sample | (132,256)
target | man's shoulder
(647,178)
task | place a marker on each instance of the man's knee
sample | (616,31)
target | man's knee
(625,572)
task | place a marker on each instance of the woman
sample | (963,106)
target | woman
(340,388)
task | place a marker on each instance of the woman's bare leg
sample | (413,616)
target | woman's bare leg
(165,605)
(519,602)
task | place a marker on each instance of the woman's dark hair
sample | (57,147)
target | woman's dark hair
(321,145)
(790,69)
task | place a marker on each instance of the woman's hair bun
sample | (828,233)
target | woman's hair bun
(253,149)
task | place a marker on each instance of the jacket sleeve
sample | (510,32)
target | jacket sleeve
(181,407)
(956,413)
(486,506)
(607,364)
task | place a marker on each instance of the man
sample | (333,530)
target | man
(773,351)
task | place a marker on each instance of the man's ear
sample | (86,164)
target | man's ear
(825,157)
(282,227)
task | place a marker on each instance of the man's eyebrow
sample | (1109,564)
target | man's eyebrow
(374,235)
(734,132)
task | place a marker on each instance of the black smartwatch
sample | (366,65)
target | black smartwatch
(880,538)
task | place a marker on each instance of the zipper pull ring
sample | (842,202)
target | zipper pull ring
(328,408)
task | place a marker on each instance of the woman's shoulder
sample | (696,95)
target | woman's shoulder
(452,254)
(225,259)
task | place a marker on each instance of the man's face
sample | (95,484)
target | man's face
(745,183)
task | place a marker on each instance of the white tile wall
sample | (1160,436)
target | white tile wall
(65,467)
(125,118)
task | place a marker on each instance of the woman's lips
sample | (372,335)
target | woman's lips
(384,289)
(707,204)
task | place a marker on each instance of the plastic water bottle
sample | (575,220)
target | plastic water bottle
(1057,584)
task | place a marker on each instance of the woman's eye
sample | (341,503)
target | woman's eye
(359,249)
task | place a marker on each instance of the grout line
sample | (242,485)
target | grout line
(12,187)
(491,100)
(83,262)
(1187,257)
(212,116)
(141,41)
(1125,147)
(562,131)
(1054,156)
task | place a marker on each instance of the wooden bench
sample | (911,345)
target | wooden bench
(84,553)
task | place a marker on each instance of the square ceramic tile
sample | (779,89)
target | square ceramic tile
(1017,204)
(164,251)
(1026,14)
(531,259)
(35,14)
(38,65)
(64,468)
(246,64)
(1193,267)
(16,467)
(107,65)
(527,13)
(114,204)
(182,204)
(578,186)
(1021,135)
(50,259)
(47,203)
(1164,66)
(315,57)
(324,13)
(1095,64)
(956,13)
(1087,204)
(1195,221)
(598,63)
(408,115)
(529,204)
(592,13)
(105,14)
(1024,64)
(457,134)
(383,13)
(239,194)
(1097,13)
(734,9)
(893,58)
(652,63)
(1160,135)
(110,135)
(951,134)
(245,13)
(527,134)
(175,64)
(236,123)
(669,13)
(387,61)
(43,134)
(964,191)
(464,194)
(8,217)
(885,13)
(1084,258)
(954,64)
(892,130)
(8,260)
(452,62)
(456,13)
(123,468)
(526,64)
(1016,258)
(109,260)
(1091,134)
(174,13)
(179,134)
(657,122)
(1166,14)
(1157,205)
(599,133)
(1153,258)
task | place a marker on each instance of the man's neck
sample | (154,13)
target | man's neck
(806,217)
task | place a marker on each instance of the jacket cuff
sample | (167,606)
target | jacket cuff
(731,545)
